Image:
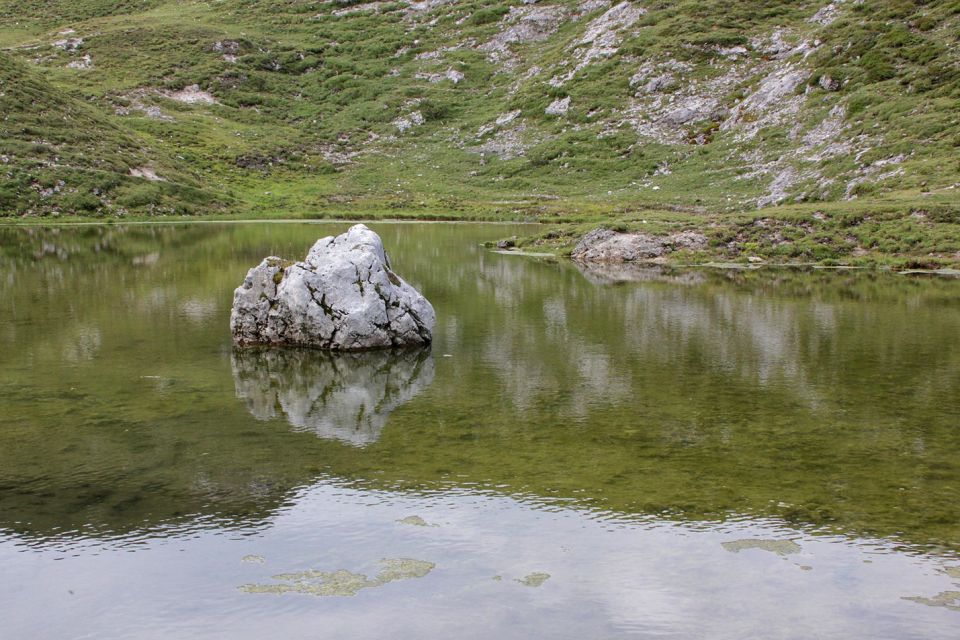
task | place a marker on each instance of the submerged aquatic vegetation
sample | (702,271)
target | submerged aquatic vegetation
(779,547)
(946,599)
(534,579)
(772,388)
(342,582)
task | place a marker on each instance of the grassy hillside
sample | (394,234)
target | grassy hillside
(559,110)
(61,155)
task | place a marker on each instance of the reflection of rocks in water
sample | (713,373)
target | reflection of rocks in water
(345,396)
(611,273)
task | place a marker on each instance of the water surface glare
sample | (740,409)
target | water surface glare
(696,454)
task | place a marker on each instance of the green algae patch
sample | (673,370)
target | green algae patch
(314,583)
(534,579)
(953,572)
(946,599)
(402,569)
(341,582)
(415,521)
(253,559)
(779,547)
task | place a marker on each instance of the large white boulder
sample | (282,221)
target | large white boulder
(343,296)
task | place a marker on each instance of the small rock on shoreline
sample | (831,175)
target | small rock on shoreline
(608,246)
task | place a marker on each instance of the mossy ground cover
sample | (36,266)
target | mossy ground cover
(305,96)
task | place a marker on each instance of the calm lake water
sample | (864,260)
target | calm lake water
(702,454)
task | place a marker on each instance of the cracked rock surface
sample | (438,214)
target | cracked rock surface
(343,297)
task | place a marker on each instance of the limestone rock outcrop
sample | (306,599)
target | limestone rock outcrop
(344,296)
(608,246)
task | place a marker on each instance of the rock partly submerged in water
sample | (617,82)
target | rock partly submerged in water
(343,297)
(608,246)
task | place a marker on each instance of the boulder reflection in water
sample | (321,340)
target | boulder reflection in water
(344,396)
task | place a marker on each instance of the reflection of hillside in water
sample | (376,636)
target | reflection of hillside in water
(695,394)
(770,393)
(817,339)
(343,396)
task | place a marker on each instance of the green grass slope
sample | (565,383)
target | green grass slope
(562,110)
(59,155)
